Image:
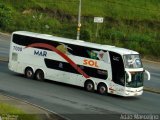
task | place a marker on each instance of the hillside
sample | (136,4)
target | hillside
(133,24)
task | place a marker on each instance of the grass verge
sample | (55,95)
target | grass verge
(8,112)
(131,24)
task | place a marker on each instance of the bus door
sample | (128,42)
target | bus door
(118,73)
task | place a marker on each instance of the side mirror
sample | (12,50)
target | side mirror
(148,74)
(129,76)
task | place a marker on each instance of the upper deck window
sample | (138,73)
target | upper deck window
(132,61)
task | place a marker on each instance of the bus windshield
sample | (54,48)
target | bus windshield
(137,79)
(132,61)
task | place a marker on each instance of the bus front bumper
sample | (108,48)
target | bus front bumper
(133,91)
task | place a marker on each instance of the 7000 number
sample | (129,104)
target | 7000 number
(17,48)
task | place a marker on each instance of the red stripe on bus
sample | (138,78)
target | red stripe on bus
(111,89)
(43,45)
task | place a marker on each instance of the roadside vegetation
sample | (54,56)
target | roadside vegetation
(8,112)
(133,24)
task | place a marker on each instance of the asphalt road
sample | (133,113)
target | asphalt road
(154,69)
(4,45)
(74,102)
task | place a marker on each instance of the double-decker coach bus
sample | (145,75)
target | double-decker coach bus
(107,69)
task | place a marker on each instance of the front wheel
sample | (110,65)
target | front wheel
(39,75)
(102,89)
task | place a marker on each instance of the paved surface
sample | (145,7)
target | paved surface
(155,75)
(154,69)
(73,102)
(25,106)
(4,45)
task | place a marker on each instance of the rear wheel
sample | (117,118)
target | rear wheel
(89,86)
(102,89)
(39,75)
(29,73)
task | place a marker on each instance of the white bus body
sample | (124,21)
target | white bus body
(107,69)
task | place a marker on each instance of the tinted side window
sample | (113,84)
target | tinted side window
(63,66)
(27,40)
(76,50)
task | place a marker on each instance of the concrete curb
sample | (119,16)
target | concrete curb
(149,61)
(153,90)
(6,34)
(4,59)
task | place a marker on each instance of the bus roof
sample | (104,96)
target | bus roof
(121,51)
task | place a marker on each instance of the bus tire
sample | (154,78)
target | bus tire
(89,86)
(102,89)
(29,73)
(39,75)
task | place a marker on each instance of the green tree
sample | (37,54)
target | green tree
(5,16)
